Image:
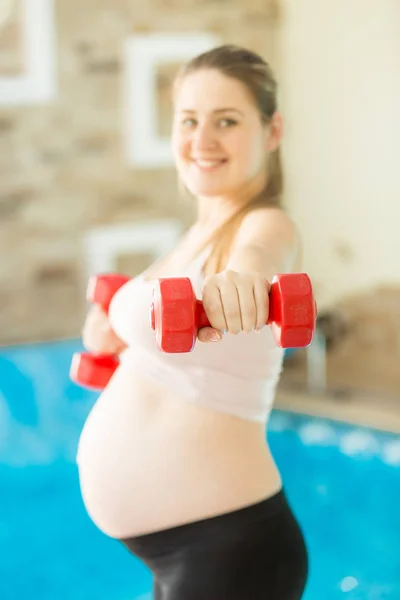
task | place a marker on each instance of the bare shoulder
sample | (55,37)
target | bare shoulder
(268,242)
(265,225)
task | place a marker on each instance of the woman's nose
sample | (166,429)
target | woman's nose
(204,138)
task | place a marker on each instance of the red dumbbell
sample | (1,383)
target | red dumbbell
(89,370)
(176,315)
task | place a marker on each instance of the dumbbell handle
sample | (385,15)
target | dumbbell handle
(201,319)
(94,371)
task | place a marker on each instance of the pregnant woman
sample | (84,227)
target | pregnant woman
(173,459)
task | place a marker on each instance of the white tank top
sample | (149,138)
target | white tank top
(237,375)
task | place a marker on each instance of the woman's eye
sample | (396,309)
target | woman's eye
(189,123)
(227,122)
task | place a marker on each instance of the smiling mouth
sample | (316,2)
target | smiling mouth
(209,165)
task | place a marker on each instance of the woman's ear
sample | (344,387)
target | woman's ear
(274,132)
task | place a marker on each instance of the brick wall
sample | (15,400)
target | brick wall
(64,169)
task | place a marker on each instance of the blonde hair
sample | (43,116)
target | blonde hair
(256,74)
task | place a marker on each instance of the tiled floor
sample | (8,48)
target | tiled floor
(361,408)
(313,383)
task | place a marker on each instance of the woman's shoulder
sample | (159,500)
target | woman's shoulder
(265,224)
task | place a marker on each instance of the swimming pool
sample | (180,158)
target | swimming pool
(343,483)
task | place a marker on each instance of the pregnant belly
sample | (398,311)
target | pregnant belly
(148,461)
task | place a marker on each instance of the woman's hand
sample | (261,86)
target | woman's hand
(97,335)
(234,302)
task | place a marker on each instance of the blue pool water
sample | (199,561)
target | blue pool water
(343,483)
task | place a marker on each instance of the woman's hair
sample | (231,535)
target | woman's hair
(256,75)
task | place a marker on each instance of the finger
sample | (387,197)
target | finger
(212,304)
(231,306)
(209,334)
(261,297)
(247,307)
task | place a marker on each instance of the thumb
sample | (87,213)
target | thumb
(209,334)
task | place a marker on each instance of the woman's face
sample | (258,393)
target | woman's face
(219,141)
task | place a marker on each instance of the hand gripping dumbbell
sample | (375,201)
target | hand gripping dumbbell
(89,370)
(176,315)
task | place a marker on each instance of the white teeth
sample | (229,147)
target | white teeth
(208,163)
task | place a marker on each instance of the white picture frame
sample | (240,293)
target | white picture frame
(37,84)
(144,148)
(5,11)
(103,245)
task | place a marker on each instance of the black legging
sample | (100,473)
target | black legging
(254,553)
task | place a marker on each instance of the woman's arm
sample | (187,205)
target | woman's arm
(237,299)
(267,242)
